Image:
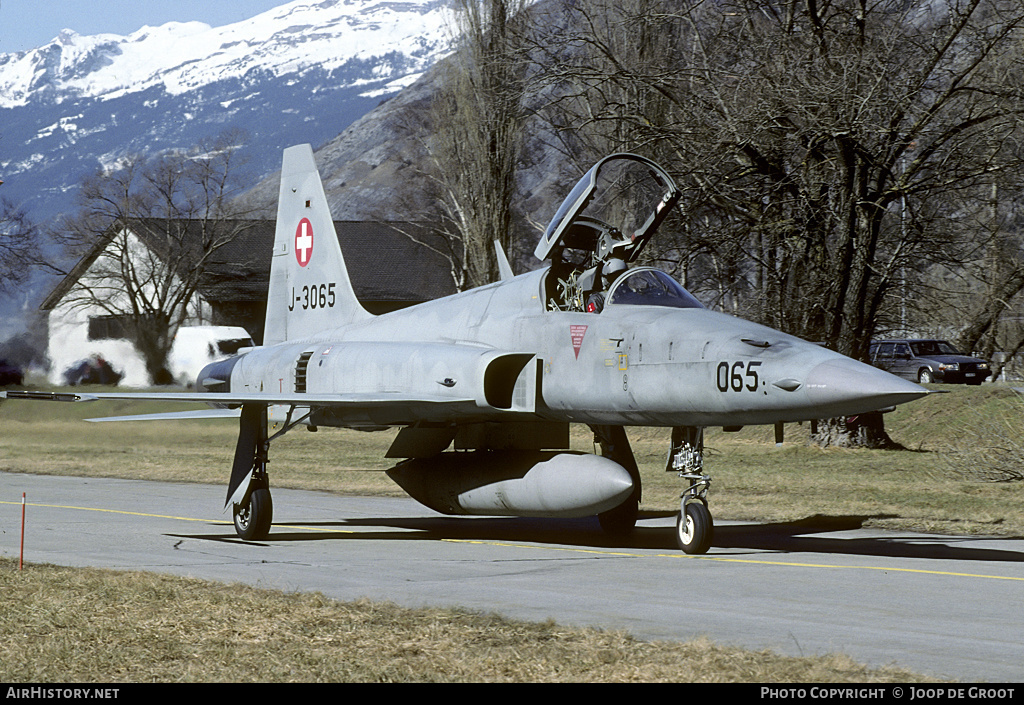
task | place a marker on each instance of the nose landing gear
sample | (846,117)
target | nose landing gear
(695,528)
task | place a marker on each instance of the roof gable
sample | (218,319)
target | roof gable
(397,261)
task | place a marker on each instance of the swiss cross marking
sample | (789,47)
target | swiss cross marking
(304,242)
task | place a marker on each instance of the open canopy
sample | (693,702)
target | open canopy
(613,210)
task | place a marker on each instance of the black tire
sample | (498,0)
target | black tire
(925,376)
(620,521)
(253,520)
(694,529)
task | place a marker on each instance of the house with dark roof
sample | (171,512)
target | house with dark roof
(391,266)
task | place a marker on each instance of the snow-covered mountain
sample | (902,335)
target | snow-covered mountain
(299,73)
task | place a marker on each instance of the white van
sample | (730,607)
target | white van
(197,346)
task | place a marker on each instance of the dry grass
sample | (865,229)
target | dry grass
(73,625)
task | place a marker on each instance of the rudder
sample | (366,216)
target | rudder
(310,290)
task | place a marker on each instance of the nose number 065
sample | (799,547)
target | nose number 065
(738,376)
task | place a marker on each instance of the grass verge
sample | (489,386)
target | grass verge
(98,626)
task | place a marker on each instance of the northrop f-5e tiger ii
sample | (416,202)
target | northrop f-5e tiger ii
(484,384)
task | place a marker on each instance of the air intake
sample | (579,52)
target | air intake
(300,372)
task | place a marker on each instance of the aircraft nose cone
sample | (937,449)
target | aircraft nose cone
(857,388)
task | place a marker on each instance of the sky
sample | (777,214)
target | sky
(27,24)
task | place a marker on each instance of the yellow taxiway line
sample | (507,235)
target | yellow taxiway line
(216,522)
(589,551)
(727,559)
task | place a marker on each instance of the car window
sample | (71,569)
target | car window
(902,350)
(925,348)
(232,346)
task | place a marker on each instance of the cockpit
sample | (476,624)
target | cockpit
(600,228)
(651,287)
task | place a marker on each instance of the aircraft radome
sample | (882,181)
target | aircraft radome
(498,373)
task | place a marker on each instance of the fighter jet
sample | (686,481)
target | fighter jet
(484,384)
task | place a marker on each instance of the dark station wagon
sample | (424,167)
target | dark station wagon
(927,361)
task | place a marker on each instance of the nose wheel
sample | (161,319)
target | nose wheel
(694,528)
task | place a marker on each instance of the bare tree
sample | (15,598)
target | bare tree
(19,245)
(147,233)
(821,145)
(825,139)
(475,146)
(987,291)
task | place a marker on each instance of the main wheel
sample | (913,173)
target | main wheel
(694,528)
(925,376)
(253,519)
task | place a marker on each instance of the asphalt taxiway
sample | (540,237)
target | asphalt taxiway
(945,606)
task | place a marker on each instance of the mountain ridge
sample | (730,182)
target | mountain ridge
(184,56)
(301,72)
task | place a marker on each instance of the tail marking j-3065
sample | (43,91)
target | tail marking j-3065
(310,290)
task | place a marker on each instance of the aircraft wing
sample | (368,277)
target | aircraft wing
(287,399)
(378,409)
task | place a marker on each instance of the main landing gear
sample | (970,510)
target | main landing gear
(254,518)
(695,530)
(614,443)
(249,488)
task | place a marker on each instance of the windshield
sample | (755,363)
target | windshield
(652,287)
(232,346)
(924,348)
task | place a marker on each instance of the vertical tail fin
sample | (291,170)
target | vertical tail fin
(310,289)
